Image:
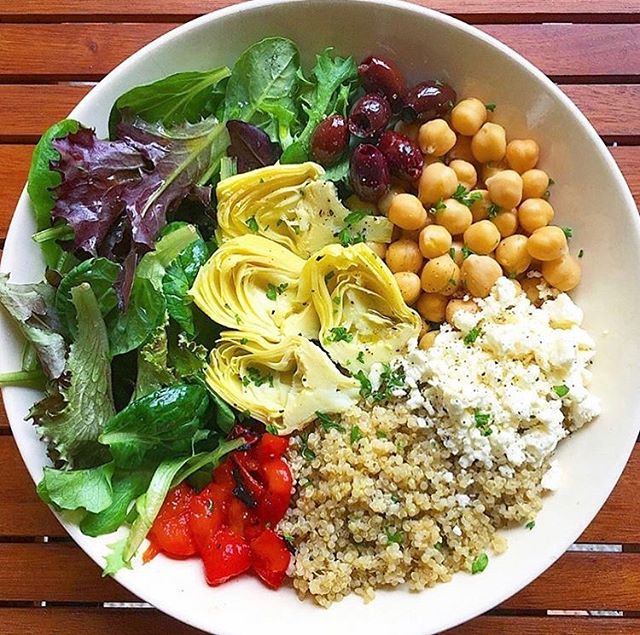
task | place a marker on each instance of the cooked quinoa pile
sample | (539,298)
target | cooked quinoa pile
(381,503)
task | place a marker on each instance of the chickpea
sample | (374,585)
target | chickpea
(440,275)
(437,181)
(425,328)
(489,143)
(534,213)
(563,274)
(468,116)
(355,202)
(456,252)
(454,305)
(482,237)
(454,216)
(462,149)
(465,172)
(513,255)
(547,243)
(409,284)
(506,222)
(492,168)
(530,287)
(479,274)
(431,306)
(522,154)
(409,129)
(480,207)
(436,138)
(384,203)
(404,255)
(505,189)
(406,212)
(427,340)
(434,241)
(379,249)
(534,183)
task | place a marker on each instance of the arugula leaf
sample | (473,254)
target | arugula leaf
(126,487)
(88,489)
(42,182)
(164,423)
(331,78)
(178,279)
(101,274)
(78,405)
(262,86)
(188,96)
(31,306)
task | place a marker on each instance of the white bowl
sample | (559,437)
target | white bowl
(590,195)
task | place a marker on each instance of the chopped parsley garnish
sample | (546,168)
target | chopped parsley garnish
(274,291)
(339,334)
(289,538)
(271,429)
(390,379)
(480,563)
(561,390)
(581,253)
(471,336)
(346,235)
(483,422)
(254,376)
(365,384)
(328,423)
(360,357)
(355,217)
(466,252)
(356,434)
(490,106)
(452,253)
(244,340)
(464,196)
(438,546)
(438,207)
(493,210)
(396,537)
(380,435)
(307,453)
(530,525)
(568,232)
(252,224)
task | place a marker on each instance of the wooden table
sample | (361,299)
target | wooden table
(52,51)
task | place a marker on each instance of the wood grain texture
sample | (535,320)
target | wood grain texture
(88,51)
(60,572)
(500,625)
(613,109)
(40,10)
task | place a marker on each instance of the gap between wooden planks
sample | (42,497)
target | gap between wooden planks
(613,109)
(86,51)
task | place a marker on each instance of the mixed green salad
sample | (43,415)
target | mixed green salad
(124,225)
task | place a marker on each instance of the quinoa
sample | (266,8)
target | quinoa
(394,506)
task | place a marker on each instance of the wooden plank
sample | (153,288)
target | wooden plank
(613,109)
(15,159)
(88,51)
(59,572)
(32,10)
(22,513)
(520,625)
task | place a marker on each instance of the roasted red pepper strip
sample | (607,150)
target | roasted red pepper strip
(270,446)
(270,558)
(170,531)
(278,483)
(225,557)
(208,513)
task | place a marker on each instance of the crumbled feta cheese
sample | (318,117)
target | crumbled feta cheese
(552,477)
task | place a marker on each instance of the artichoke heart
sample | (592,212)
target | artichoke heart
(292,205)
(283,383)
(363,318)
(251,283)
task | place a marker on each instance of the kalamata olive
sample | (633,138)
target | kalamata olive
(369,115)
(428,100)
(330,140)
(402,154)
(369,172)
(379,75)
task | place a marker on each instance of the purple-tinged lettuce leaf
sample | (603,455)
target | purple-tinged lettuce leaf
(32,308)
(250,146)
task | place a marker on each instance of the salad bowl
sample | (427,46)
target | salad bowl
(596,202)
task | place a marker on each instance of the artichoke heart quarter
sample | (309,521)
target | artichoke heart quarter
(293,206)
(251,283)
(283,383)
(363,318)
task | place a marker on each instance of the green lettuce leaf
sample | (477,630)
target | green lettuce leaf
(73,415)
(88,489)
(153,365)
(188,96)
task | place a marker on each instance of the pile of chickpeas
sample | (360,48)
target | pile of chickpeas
(447,247)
